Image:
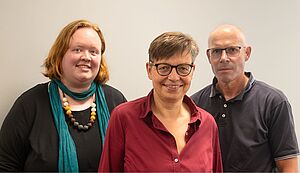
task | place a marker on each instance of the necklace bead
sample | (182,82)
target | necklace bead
(72,118)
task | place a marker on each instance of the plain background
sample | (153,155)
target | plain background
(29,28)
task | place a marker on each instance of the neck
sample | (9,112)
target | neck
(168,109)
(74,87)
(233,88)
(77,105)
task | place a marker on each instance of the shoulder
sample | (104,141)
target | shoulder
(131,110)
(205,116)
(128,112)
(134,106)
(30,101)
(266,91)
(35,93)
(24,110)
(113,96)
(111,91)
(203,93)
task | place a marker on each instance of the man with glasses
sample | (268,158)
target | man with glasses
(255,120)
(164,131)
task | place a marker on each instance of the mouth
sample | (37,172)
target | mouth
(224,69)
(83,66)
(172,86)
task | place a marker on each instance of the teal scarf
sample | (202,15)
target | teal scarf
(67,157)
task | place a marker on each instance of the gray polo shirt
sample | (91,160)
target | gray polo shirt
(256,127)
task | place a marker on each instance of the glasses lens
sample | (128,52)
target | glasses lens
(183,69)
(163,69)
(233,51)
(215,53)
(230,51)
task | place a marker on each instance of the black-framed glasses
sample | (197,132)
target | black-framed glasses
(232,51)
(165,69)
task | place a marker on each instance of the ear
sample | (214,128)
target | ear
(148,68)
(208,55)
(247,52)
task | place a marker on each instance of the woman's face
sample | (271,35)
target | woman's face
(81,62)
(172,87)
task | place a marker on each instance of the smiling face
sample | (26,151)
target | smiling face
(228,68)
(172,87)
(81,62)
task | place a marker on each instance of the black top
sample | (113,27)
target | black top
(29,140)
(255,128)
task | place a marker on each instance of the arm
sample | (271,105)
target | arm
(217,165)
(13,147)
(112,158)
(288,165)
(283,138)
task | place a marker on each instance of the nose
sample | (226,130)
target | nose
(173,75)
(85,56)
(224,57)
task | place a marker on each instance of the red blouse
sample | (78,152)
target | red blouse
(137,141)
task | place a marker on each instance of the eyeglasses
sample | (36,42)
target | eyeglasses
(232,51)
(165,69)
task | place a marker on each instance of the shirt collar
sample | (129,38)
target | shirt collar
(195,114)
(215,92)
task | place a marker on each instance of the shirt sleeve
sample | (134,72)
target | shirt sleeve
(283,138)
(112,158)
(217,162)
(13,134)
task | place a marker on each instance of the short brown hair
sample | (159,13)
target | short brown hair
(171,43)
(53,61)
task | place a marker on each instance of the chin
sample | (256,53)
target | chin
(86,80)
(224,79)
(174,97)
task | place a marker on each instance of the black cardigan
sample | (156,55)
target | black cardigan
(29,140)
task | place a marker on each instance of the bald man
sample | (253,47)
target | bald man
(255,120)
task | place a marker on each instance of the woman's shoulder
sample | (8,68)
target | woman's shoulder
(38,90)
(113,96)
(111,91)
(108,88)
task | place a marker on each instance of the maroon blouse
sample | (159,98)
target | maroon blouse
(137,141)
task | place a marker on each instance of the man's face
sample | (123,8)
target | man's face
(227,56)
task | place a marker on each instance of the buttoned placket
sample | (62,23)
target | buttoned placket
(224,109)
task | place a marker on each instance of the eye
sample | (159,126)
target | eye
(183,68)
(76,50)
(163,67)
(216,51)
(94,52)
(232,50)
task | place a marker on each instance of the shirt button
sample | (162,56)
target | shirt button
(225,105)
(223,115)
(176,160)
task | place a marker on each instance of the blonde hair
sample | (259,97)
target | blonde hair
(52,63)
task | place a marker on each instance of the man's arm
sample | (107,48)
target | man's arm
(288,165)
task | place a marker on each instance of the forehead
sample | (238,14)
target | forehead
(178,58)
(86,36)
(224,38)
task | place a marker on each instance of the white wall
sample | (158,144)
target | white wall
(28,29)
